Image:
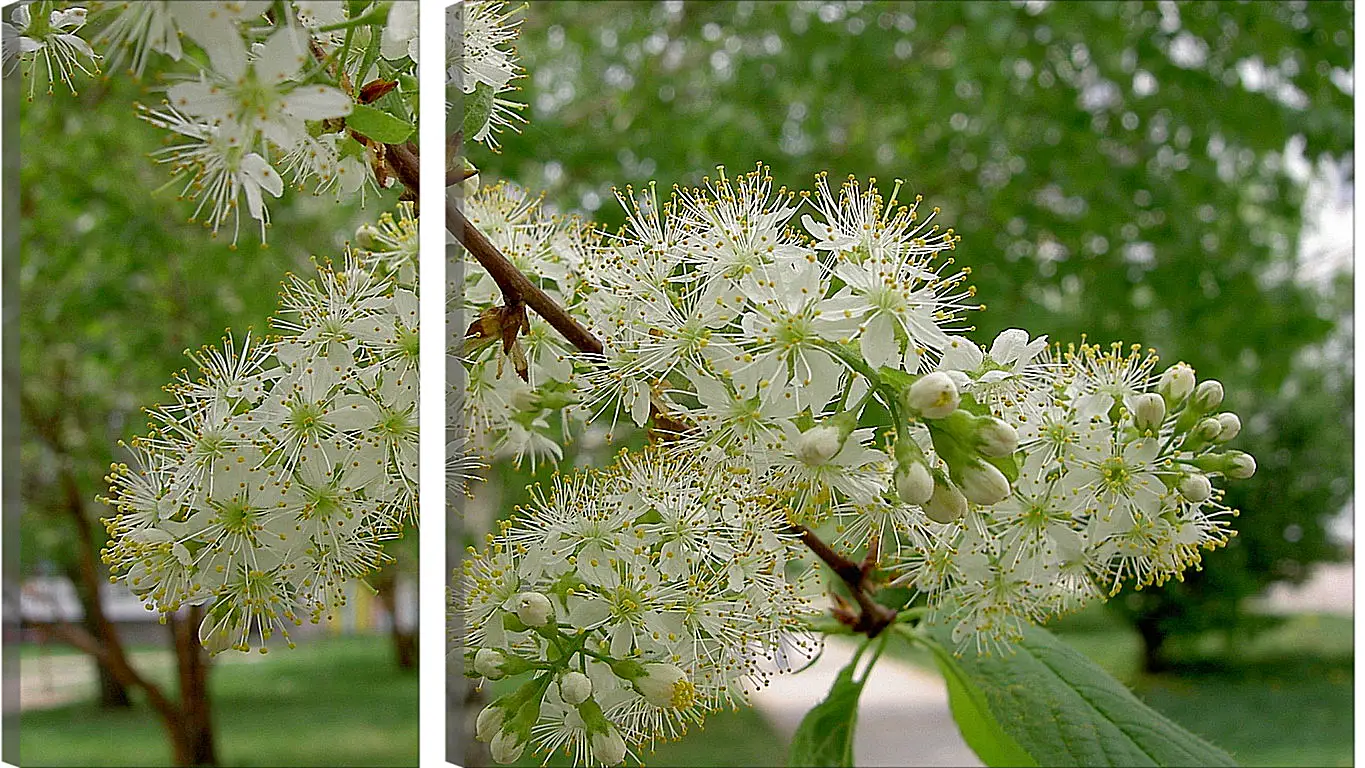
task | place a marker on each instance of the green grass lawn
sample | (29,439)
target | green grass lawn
(336,701)
(1283,699)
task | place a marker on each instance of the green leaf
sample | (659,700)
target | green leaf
(982,732)
(1059,708)
(825,736)
(478,106)
(377,125)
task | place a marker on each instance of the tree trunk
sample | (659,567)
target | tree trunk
(404,638)
(86,578)
(192,731)
(1153,642)
(113,693)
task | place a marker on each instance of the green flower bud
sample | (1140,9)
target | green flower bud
(933,396)
(1149,411)
(665,685)
(489,722)
(575,688)
(1176,383)
(1240,465)
(1195,487)
(1206,430)
(946,504)
(488,662)
(818,445)
(1232,426)
(983,484)
(506,747)
(1208,395)
(608,747)
(995,438)
(534,609)
(914,483)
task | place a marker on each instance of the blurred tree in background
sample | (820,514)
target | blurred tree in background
(1135,171)
(115,285)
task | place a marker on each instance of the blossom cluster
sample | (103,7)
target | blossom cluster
(261,99)
(639,598)
(813,346)
(274,477)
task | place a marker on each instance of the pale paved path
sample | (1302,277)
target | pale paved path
(903,717)
(1329,590)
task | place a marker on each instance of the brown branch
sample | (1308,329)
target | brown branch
(515,286)
(872,617)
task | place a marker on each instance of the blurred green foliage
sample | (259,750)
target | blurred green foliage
(1130,171)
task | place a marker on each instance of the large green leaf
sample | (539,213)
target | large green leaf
(378,125)
(982,732)
(1059,708)
(825,736)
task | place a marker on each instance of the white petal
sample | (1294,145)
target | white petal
(199,99)
(879,341)
(316,102)
(961,354)
(1007,346)
(255,168)
(282,56)
(216,33)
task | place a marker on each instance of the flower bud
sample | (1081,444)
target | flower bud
(1206,430)
(1176,383)
(489,722)
(995,438)
(367,236)
(1240,465)
(506,747)
(534,609)
(946,504)
(470,186)
(488,662)
(983,484)
(608,747)
(933,396)
(665,685)
(1149,411)
(575,688)
(818,445)
(1232,426)
(1195,487)
(914,484)
(1208,395)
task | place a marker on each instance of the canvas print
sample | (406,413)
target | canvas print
(217,329)
(892,383)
